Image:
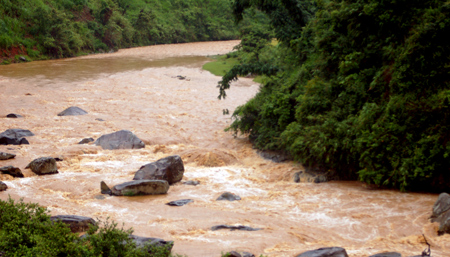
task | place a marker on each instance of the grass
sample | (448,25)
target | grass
(222,64)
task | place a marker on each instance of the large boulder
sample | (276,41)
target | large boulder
(441,213)
(3,186)
(13,171)
(123,139)
(6,156)
(170,168)
(15,137)
(72,111)
(141,187)
(43,166)
(76,223)
(325,252)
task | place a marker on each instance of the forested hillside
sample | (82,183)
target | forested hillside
(41,29)
(360,88)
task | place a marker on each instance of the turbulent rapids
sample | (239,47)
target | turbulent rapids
(138,90)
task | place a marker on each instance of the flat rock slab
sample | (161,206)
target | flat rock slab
(13,171)
(387,254)
(170,168)
(229,197)
(14,116)
(232,228)
(3,186)
(180,202)
(141,187)
(72,111)
(76,223)
(43,166)
(123,139)
(325,252)
(6,156)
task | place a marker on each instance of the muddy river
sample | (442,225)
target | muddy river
(137,90)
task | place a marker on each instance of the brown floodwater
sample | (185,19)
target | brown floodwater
(137,89)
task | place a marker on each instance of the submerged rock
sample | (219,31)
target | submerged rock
(86,140)
(180,202)
(141,187)
(325,252)
(6,156)
(14,116)
(43,166)
(3,186)
(441,213)
(232,228)
(191,183)
(72,111)
(170,168)
(13,171)
(105,188)
(76,223)
(123,139)
(229,197)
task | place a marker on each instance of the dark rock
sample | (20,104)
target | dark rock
(13,115)
(59,159)
(105,188)
(387,254)
(15,137)
(141,187)
(191,183)
(180,202)
(13,171)
(325,252)
(170,168)
(3,186)
(17,133)
(441,213)
(150,242)
(229,197)
(76,223)
(4,140)
(43,166)
(86,140)
(232,228)
(123,139)
(72,111)
(99,119)
(6,156)
(274,156)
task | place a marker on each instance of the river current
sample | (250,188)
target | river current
(138,90)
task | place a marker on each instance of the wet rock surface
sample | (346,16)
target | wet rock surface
(122,139)
(15,137)
(86,141)
(141,187)
(228,197)
(180,202)
(239,254)
(73,111)
(6,156)
(11,170)
(43,166)
(14,116)
(170,168)
(191,183)
(76,223)
(325,252)
(441,213)
(104,189)
(387,254)
(148,242)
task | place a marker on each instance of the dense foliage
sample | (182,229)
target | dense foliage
(63,28)
(361,88)
(26,230)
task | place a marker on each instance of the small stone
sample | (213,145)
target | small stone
(99,119)
(86,140)
(13,115)
(229,197)
(6,156)
(3,186)
(387,254)
(100,197)
(72,111)
(180,202)
(232,228)
(13,171)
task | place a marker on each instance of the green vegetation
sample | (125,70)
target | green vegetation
(360,88)
(41,29)
(221,65)
(26,230)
